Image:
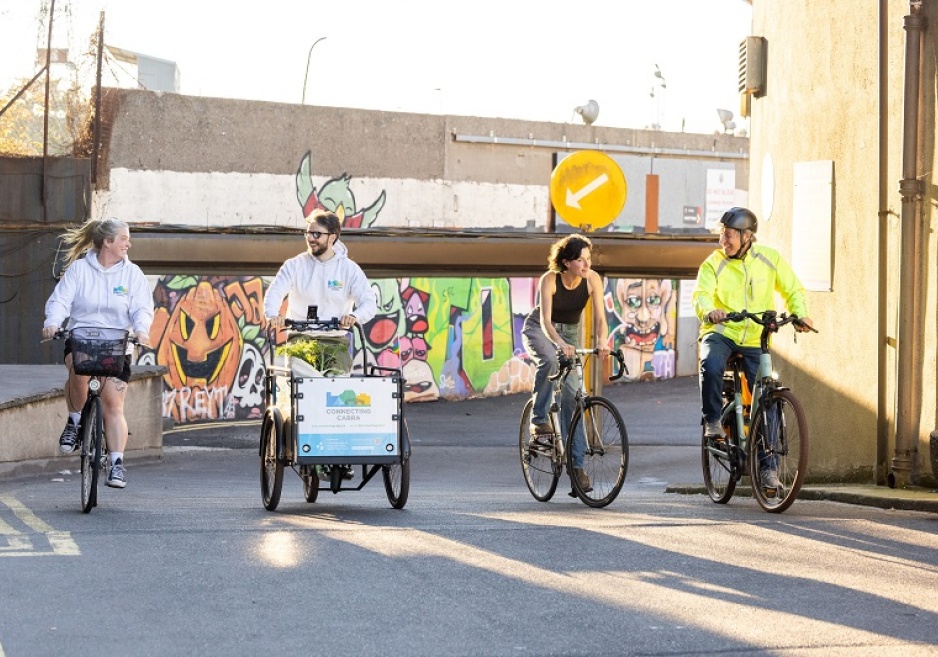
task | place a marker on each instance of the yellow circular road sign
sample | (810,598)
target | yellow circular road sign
(588,189)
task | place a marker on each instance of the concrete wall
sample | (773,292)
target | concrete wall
(31,424)
(822,104)
(177,159)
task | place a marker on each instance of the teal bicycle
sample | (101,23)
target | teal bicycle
(770,432)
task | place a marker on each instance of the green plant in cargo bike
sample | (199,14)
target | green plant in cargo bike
(323,355)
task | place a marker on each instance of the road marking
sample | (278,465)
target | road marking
(573,198)
(19,544)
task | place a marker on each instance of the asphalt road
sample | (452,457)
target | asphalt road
(186,561)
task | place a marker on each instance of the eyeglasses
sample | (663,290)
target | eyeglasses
(316,234)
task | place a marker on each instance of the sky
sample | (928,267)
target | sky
(523,59)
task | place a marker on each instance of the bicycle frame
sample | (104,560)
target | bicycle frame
(580,397)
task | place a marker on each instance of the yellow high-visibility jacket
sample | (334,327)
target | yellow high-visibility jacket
(749,284)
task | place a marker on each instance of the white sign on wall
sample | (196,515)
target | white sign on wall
(812,219)
(721,194)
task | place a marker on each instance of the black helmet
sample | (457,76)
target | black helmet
(740,219)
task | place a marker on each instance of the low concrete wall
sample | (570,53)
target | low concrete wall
(30,425)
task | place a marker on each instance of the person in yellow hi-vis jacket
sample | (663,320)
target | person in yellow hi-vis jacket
(740,275)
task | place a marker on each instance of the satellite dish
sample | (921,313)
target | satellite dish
(588,112)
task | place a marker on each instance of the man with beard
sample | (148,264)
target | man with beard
(323,276)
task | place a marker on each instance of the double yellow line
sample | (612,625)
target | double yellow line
(19,544)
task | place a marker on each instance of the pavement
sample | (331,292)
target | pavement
(659,413)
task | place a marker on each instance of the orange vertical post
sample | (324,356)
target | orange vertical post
(651,203)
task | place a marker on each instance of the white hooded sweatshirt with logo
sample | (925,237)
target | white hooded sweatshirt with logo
(338,287)
(90,295)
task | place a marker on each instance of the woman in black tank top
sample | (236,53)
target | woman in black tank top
(564,291)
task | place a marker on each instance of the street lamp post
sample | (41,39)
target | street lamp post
(308,57)
(659,97)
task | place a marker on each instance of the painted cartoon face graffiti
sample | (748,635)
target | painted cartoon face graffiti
(642,302)
(202,341)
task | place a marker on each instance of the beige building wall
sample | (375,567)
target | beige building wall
(822,104)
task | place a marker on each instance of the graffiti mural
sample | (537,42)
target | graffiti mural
(206,332)
(641,314)
(453,338)
(335,195)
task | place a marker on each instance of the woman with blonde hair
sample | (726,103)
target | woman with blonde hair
(101,288)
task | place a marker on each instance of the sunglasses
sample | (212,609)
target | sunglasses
(316,234)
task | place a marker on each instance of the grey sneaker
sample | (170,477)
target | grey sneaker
(117,477)
(349,472)
(69,438)
(714,430)
(583,479)
(769,479)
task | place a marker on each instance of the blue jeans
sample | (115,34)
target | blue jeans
(543,353)
(714,352)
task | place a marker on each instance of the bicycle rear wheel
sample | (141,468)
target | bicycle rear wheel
(397,475)
(538,460)
(92,437)
(606,461)
(720,470)
(780,442)
(271,465)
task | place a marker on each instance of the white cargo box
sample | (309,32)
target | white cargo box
(354,418)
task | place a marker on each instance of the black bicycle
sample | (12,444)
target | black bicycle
(98,353)
(595,420)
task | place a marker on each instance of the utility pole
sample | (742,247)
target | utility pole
(308,57)
(45,122)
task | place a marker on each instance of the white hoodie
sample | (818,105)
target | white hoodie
(90,295)
(338,286)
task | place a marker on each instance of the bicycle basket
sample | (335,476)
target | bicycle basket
(98,351)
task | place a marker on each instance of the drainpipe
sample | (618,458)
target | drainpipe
(909,385)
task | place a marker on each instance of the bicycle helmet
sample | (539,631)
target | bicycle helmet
(740,219)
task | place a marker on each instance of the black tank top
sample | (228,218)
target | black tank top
(569,304)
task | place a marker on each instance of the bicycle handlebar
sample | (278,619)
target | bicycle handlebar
(567,363)
(314,324)
(770,319)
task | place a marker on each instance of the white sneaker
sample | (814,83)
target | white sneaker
(116,478)
(714,430)
(769,479)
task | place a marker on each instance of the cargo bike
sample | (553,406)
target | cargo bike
(329,428)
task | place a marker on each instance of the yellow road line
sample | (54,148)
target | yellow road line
(19,545)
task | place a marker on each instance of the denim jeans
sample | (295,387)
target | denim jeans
(714,352)
(543,353)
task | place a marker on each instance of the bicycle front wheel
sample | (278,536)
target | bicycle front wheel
(779,444)
(271,465)
(720,471)
(606,460)
(538,459)
(92,439)
(397,475)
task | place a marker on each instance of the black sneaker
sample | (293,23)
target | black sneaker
(69,438)
(117,477)
(348,472)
